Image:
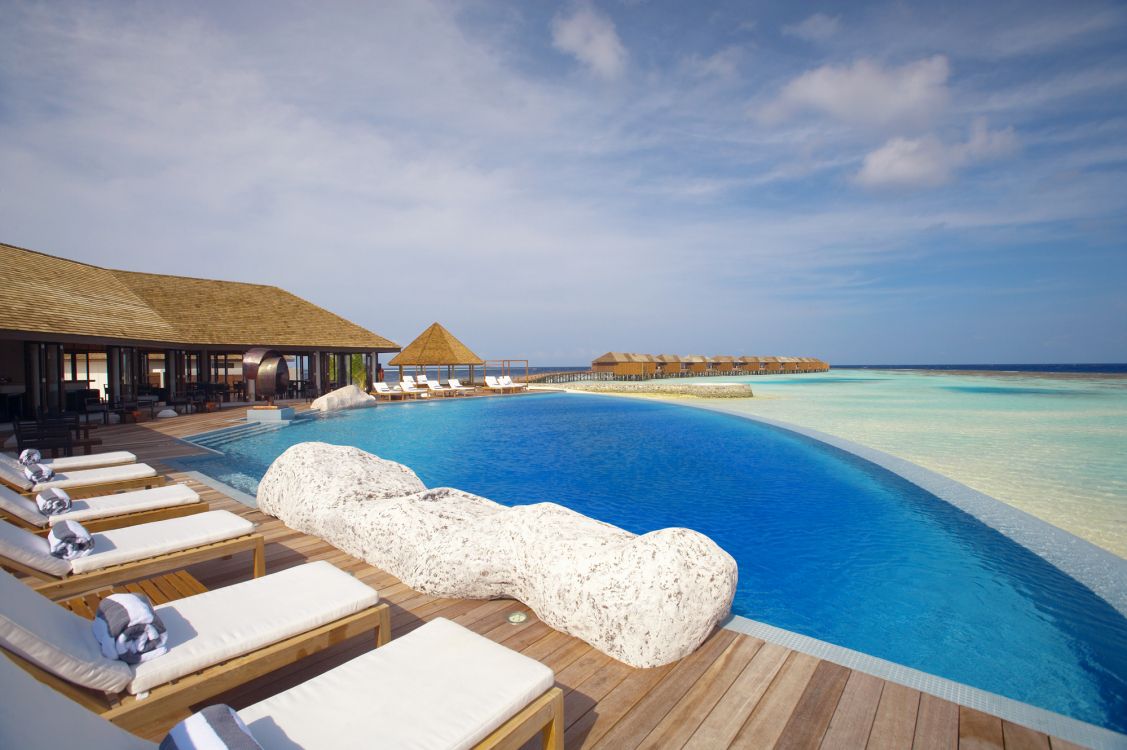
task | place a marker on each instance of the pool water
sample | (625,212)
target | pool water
(828,545)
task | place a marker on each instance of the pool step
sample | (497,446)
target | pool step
(216,438)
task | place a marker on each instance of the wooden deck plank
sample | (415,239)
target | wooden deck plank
(894,727)
(683,719)
(727,717)
(853,720)
(771,714)
(1020,738)
(734,691)
(634,727)
(979,731)
(937,724)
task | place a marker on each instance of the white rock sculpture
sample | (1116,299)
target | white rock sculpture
(646,600)
(167,414)
(348,397)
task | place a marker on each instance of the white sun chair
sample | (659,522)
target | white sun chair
(216,640)
(106,511)
(408,379)
(492,384)
(508,383)
(383,390)
(132,552)
(434,387)
(85,482)
(456,385)
(76,463)
(436,688)
(413,390)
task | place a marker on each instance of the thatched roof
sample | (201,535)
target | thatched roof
(697,358)
(65,299)
(722,358)
(435,346)
(671,358)
(618,358)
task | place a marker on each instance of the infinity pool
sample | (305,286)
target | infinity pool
(828,545)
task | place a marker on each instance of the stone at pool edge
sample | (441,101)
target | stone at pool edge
(280,414)
(645,600)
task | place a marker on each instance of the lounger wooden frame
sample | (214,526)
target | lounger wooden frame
(81,583)
(96,490)
(119,520)
(172,699)
(544,716)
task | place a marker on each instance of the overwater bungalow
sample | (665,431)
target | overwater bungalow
(696,363)
(75,335)
(668,364)
(722,364)
(626,363)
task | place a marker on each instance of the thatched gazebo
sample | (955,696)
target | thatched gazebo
(436,347)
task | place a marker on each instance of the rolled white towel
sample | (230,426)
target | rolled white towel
(127,628)
(38,472)
(53,501)
(216,727)
(29,456)
(68,540)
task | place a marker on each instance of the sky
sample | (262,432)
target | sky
(885,182)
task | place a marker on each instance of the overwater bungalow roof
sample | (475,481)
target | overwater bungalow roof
(672,358)
(435,346)
(694,358)
(60,299)
(722,358)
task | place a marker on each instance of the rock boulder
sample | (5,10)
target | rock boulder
(348,397)
(645,600)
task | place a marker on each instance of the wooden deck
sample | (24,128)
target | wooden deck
(734,691)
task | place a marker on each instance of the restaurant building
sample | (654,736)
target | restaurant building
(72,332)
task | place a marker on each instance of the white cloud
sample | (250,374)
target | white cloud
(722,64)
(590,36)
(816,28)
(928,162)
(865,93)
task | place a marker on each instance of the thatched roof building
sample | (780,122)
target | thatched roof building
(68,326)
(435,346)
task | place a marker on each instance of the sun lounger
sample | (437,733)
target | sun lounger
(438,687)
(434,387)
(456,385)
(383,390)
(216,640)
(76,463)
(507,382)
(86,482)
(129,553)
(408,379)
(107,511)
(413,390)
(492,384)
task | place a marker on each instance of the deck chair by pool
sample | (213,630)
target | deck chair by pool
(413,390)
(130,553)
(434,387)
(492,384)
(459,389)
(508,383)
(107,511)
(76,463)
(216,640)
(383,390)
(85,482)
(436,688)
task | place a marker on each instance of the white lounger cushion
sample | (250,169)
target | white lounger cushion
(440,686)
(146,540)
(15,504)
(94,460)
(210,628)
(55,638)
(26,548)
(35,715)
(135,501)
(104,475)
(129,544)
(105,506)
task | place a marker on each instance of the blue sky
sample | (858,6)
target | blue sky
(864,182)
